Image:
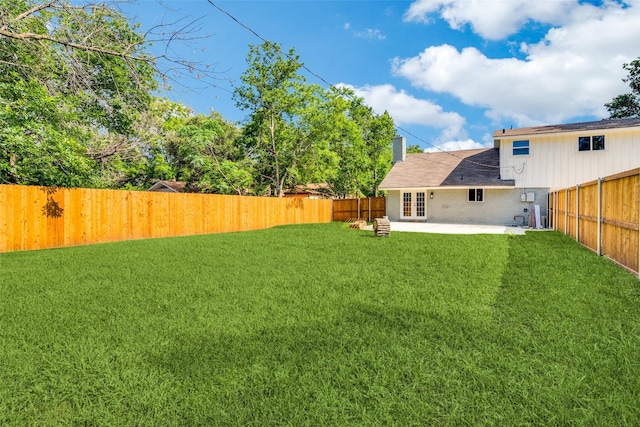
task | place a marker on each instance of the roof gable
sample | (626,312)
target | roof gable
(168,186)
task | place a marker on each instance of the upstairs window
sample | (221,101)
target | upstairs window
(597,142)
(476,195)
(584,143)
(520,148)
(591,143)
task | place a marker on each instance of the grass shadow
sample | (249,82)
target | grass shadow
(353,367)
(565,334)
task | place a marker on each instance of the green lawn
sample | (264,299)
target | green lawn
(320,325)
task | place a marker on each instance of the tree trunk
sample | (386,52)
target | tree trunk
(272,130)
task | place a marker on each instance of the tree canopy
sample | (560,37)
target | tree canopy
(73,81)
(79,107)
(628,104)
(414,149)
(299,133)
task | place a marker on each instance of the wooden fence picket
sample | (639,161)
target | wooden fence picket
(37,217)
(603,215)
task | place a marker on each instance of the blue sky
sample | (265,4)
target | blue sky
(449,72)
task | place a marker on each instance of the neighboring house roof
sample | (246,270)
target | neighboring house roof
(322,189)
(571,127)
(168,186)
(464,168)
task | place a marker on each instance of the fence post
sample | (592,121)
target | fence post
(555,223)
(578,213)
(638,210)
(555,210)
(549,209)
(566,211)
(333,210)
(599,251)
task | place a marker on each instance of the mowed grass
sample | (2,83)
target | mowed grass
(319,325)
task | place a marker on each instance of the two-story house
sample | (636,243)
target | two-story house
(504,184)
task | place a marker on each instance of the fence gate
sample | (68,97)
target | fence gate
(364,208)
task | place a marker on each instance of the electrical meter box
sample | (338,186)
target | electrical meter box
(528,197)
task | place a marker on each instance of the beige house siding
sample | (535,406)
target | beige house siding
(554,160)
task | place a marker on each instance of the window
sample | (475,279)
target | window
(584,143)
(476,195)
(598,142)
(588,143)
(520,148)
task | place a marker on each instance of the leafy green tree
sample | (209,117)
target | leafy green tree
(87,64)
(90,54)
(204,153)
(345,182)
(366,155)
(348,146)
(628,104)
(378,132)
(36,147)
(292,124)
(275,93)
(300,133)
(95,67)
(150,162)
(414,149)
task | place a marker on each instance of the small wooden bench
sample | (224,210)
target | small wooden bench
(381,227)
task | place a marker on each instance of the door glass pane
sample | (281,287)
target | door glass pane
(406,204)
(419,204)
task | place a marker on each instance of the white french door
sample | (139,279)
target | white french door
(413,205)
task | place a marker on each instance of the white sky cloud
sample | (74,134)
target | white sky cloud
(367,33)
(406,109)
(467,144)
(370,34)
(572,72)
(495,20)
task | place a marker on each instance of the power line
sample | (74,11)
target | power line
(268,41)
(255,33)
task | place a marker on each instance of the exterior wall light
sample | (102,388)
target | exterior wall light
(431,195)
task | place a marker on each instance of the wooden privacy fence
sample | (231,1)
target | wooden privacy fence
(37,217)
(366,208)
(603,215)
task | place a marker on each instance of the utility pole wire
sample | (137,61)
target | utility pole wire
(246,27)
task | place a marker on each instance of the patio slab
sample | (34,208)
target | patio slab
(430,227)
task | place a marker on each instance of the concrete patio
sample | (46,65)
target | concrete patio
(430,227)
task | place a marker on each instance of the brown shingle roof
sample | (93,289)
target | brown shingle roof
(571,127)
(464,168)
(322,189)
(169,186)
